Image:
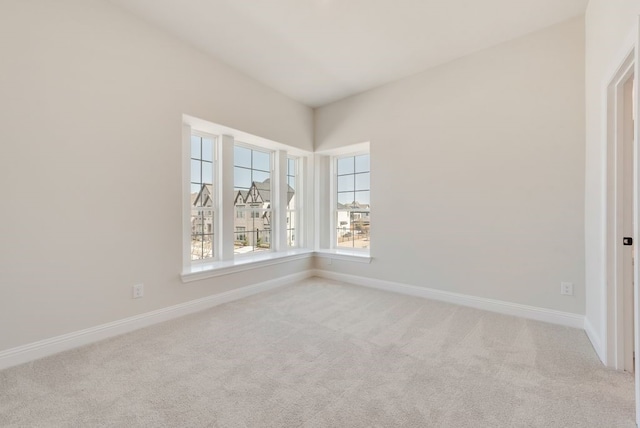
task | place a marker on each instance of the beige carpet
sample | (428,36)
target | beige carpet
(324,354)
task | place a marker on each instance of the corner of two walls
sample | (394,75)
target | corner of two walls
(477,172)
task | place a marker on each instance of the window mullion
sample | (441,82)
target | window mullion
(225,199)
(280,209)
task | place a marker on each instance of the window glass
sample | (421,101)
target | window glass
(242,157)
(352,212)
(252,184)
(346,166)
(202,198)
(292,202)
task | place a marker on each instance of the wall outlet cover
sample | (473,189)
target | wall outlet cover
(566,288)
(138,291)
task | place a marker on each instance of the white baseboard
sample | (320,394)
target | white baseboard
(33,351)
(596,342)
(530,312)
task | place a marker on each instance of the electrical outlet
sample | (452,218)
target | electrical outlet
(566,288)
(138,291)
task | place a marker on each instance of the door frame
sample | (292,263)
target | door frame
(614,135)
(615,224)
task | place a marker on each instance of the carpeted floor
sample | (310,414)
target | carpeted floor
(325,354)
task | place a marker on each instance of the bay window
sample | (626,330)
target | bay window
(241,199)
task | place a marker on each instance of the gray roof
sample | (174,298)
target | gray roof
(355,205)
(263,189)
(204,194)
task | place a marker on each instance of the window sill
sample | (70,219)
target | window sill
(343,254)
(220,268)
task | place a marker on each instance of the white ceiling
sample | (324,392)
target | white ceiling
(318,51)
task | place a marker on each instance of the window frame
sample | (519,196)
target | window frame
(188,209)
(333,213)
(249,207)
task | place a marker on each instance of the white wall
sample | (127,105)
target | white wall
(484,155)
(477,172)
(91,104)
(609,27)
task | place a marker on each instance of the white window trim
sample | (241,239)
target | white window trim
(350,255)
(240,264)
(264,259)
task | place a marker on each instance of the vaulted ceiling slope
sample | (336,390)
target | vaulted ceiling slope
(319,51)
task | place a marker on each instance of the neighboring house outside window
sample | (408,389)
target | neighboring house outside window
(240,233)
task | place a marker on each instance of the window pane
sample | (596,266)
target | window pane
(195,147)
(195,171)
(207,226)
(261,161)
(291,166)
(292,182)
(291,199)
(260,176)
(353,230)
(241,178)
(207,149)
(207,246)
(201,235)
(196,195)
(256,228)
(241,235)
(207,195)
(362,163)
(207,172)
(345,166)
(362,181)
(344,233)
(363,198)
(346,199)
(291,228)
(360,225)
(202,198)
(345,183)
(242,157)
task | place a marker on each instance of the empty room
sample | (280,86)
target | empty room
(319,213)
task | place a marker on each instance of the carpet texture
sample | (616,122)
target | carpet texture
(325,354)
